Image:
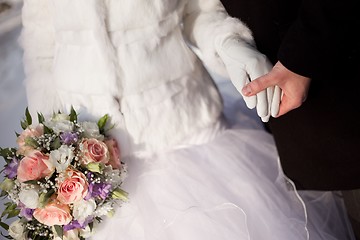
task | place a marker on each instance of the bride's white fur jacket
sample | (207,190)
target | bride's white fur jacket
(130,59)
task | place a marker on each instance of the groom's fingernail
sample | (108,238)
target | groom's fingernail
(246,91)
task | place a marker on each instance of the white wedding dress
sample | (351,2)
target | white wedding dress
(191,176)
(229,187)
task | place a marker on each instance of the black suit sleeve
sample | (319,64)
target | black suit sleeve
(319,38)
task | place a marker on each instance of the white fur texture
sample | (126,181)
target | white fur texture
(129,59)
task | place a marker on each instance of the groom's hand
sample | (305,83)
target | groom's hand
(294,87)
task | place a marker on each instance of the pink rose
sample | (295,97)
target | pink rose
(72,186)
(54,213)
(94,151)
(29,132)
(114,153)
(34,166)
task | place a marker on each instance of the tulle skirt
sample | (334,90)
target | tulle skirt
(230,188)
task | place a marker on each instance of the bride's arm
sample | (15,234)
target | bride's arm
(228,48)
(37,41)
(205,21)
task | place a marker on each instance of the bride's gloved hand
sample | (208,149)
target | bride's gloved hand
(244,63)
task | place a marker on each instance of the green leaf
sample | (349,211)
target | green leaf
(45,197)
(28,116)
(10,210)
(7,154)
(4,225)
(24,124)
(120,194)
(34,182)
(48,130)
(17,134)
(102,122)
(31,142)
(55,144)
(13,213)
(3,194)
(11,206)
(41,118)
(73,115)
(59,231)
(95,167)
(91,226)
(7,184)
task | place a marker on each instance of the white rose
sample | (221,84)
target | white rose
(71,235)
(29,197)
(17,230)
(60,117)
(91,130)
(68,235)
(86,232)
(61,158)
(59,126)
(83,209)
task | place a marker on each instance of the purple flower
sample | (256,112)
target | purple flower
(69,137)
(11,169)
(72,225)
(27,213)
(98,190)
(75,224)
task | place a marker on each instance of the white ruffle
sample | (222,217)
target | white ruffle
(229,188)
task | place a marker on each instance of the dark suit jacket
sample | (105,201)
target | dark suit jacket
(318,143)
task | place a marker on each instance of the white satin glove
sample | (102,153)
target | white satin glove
(243,64)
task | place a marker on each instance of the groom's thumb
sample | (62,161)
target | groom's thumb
(256,86)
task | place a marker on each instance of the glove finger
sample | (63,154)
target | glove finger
(266,118)
(270,94)
(261,67)
(249,101)
(275,103)
(239,79)
(262,104)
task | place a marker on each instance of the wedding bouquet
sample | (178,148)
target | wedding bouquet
(63,178)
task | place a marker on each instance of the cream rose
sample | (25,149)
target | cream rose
(94,151)
(83,209)
(73,186)
(17,230)
(71,235)
(60,123)
(58,117)
(31,131)
(34,166)
(114,153)
(91,130)
(54,213)
(29,197)
(68,235)
(86,232)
